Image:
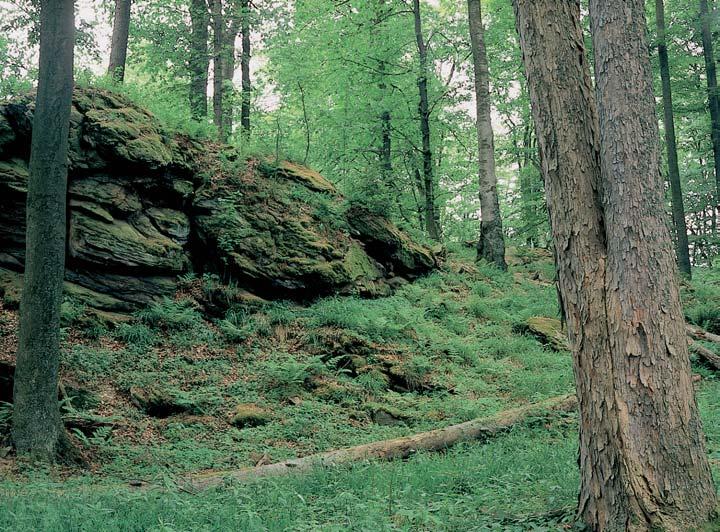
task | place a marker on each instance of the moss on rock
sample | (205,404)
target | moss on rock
(146,206)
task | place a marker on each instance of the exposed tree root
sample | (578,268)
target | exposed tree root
(435,440)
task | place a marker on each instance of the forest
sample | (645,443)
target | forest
(418,265)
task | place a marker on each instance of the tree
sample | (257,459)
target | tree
(667,480)
(245,68)
(36,415)
(678,209)
(119,46)
(642,456)
(712,88)
(431,219)
(199,58)
(219,57)
(491,244)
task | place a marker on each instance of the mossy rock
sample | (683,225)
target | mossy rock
(389,245)
(146,206)
(548,331)
(160,402)
(249,415)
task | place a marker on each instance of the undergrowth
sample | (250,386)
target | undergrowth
(441,350)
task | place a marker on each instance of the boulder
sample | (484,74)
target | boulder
(249,415)
(146,206)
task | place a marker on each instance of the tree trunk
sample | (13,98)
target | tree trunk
(228,69)
(678,209)
(431,225)
(118,48)
(712,88)
(36,413)
(642,457)
(218,70)
(667,482)
(491,244)
(245,69)
(199,59)
(565,121)
(435,440)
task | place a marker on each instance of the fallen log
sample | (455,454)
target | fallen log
(478,429)
(696,333)
(704,353)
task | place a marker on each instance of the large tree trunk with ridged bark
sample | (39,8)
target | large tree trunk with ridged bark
(119,43)
(678,208)
(642,456)
(667,480)
(36,413)
(491,244)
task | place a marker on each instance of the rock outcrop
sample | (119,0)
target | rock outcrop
(146,206)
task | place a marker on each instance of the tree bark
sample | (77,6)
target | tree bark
(118,48)
(712,89)
(491,244)
(232,16)
(666,476)
(36,414)
(245,69)
(431,218)
(218,25)
(678,208)
(565,120)
(434,440)
(642,456)
(199,59)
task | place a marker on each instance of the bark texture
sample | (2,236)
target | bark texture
(712,88)
(199,58)
(642,456)
(118,48)
(432,225)
(491,244)
(678,208)
(668,477)
(36,415)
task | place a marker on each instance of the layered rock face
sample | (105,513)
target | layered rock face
(145,207)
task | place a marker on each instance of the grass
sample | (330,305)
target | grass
(440,351)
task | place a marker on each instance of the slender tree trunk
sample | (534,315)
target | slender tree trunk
(36,415)
(712,88)
(678,208)
(199,59)
(431,222)
(245,69)
(228,69)
(642,456)
(491,244)
(379,37)
(118,48)
(667,482)
(218,70)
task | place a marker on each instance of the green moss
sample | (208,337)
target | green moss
(249,415)
(14,176)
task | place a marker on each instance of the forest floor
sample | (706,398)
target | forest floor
(170,394)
